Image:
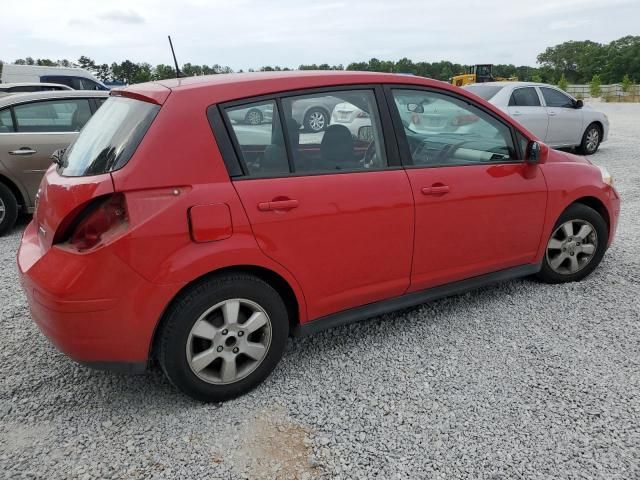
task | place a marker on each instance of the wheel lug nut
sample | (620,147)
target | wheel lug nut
(571,254)
(219,349)
(577,244)
(240,333)
(236,350)
(225,331)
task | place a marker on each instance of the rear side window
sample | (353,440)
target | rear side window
(110,138)
(73,82)
(6,123)
(524,97)
(554,98)
(484,91)
(68,115)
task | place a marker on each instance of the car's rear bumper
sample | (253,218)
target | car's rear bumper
(93,307)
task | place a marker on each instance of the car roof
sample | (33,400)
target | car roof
(233,86)
(35,84)
(510,84)
(22,97)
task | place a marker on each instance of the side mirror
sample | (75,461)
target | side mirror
(415,108)
(533,153)
(579,104)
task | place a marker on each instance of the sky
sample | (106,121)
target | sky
(253,33)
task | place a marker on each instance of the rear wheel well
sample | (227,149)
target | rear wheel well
(272,278)
(16,192)
(598,206)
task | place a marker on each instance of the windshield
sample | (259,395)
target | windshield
(109,139)
(483,91)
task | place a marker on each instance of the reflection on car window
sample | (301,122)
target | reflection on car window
(68,115)
(259,135)
(325,133)
(340,131)
(444,131)
(524,97)
(6,123)
(554,98)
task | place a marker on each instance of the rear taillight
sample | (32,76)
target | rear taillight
(98,221)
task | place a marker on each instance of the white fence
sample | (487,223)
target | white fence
(615,89)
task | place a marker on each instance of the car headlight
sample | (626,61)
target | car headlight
(606,176)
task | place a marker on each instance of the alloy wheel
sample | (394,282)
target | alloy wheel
(254,117)
(572,246)
(593,137)
(316,121)
(229,341)
(3,210)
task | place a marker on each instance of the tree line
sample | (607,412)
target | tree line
(568,62)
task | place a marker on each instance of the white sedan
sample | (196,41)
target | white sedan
(552,115)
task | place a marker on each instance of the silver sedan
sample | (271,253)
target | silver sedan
(552,115)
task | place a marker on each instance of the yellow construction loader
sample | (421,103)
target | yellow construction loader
(479,74)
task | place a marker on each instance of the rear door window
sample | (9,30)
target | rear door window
(110,137)
(524,97)
(68,115)
(259,138)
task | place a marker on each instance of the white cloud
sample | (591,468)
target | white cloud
(252,33)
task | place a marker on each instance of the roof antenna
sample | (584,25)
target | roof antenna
(178,72)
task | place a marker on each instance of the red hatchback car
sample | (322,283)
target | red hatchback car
(170,231)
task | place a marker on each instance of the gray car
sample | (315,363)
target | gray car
(32,127)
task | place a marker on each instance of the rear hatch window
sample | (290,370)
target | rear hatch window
(109,139)
(484,91)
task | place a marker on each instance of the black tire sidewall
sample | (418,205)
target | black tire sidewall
(307,119)
(179,321)
(10,209)
(578,212)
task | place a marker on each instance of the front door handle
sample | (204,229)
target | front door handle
(436,190)
(278,205)
(516,113)
(23,151)
(552,113)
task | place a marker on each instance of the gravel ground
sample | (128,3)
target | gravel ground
(521,380)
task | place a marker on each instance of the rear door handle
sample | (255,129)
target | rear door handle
(278,205)
(23,151)
(436,190)
(516,114)
(552,113)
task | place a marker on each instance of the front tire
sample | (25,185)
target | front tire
(591,140)
(223,337)
(8,209)
(576,246)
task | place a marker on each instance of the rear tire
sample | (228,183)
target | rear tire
(8,209)
(210,350)
(590,140)
(253,117)
(576,246)
(316,120)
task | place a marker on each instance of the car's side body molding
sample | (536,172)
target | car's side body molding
(412,299)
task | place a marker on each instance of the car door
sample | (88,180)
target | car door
(38,129)
(335,211)
(565,120)
(525,107)
(479,208)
